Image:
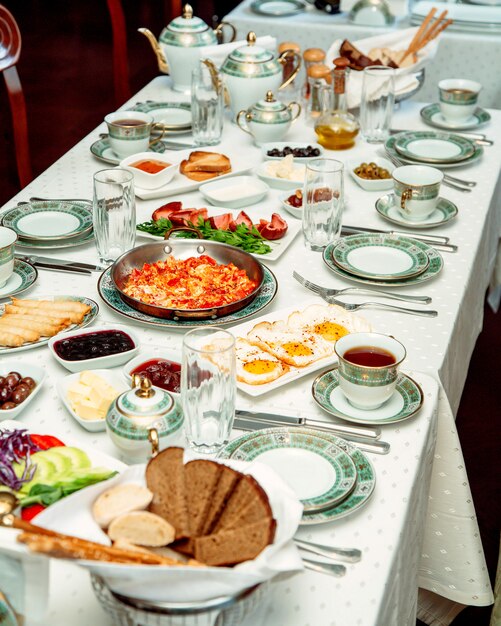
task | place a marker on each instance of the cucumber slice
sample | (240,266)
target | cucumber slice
(77,457)
(61,461)
(46,470)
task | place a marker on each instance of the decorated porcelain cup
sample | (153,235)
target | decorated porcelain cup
(458,99)
(368,368)
(417,190)
(8,240)
(130,132)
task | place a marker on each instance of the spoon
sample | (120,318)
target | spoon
(8,503)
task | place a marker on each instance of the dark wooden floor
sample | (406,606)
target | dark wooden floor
(66,72)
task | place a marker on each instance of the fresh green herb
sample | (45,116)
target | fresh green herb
(248,239)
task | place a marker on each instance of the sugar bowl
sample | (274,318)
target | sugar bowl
(268,120)
(143,420)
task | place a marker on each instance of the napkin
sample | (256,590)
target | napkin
(72,515)
(218,54)
(405,79)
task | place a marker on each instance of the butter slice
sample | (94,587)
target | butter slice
(91,396)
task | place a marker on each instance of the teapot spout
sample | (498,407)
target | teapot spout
(163,66)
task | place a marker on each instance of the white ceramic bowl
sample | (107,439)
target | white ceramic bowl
(113,378)
(25,369)
(162,353)
(372,185)
(112,360)
(279,183)
(235,192)
(296,212)
(144,180)
(280,145)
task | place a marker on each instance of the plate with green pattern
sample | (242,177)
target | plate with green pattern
(430,146)
(388,208)
(174,116)
(49,220)
(112,298)
(378,256)
(277,8)
(101,149)
(393,152)
(358,497)
(404,403)
(432,116)
(435,266)
(23,277)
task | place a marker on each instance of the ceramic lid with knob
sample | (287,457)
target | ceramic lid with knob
(188,31)
(251,61)
(269,111)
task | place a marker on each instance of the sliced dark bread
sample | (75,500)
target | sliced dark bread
(245,492)
(201,478)
(258,508)
(228,481)
(230,547)
(166,479)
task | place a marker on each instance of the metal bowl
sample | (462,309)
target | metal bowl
(184,249)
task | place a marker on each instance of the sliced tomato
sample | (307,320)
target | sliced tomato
(44,442)
(29,512)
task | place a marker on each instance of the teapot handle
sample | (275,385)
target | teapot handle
(298,110)
(283,58)
(248,117)
(219,29)
(155,443)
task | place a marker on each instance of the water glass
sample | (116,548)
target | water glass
(207,106)
(208,387)
(378,99)
(114,213)
(323,201)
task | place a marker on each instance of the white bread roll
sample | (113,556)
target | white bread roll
(119,500)
(142,529)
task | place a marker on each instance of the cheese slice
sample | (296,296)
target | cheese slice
(91,396)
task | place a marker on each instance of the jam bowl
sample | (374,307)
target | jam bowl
(162,367)
(151,170)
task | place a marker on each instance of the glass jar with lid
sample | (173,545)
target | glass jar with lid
(321,92)
(311,56)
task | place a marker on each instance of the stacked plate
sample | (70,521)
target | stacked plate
(429,147)
(466,17)
(330,477)
(175,117)
(50,223)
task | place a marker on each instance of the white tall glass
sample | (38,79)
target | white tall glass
(114,213)
(323,202)
(207,106)
(378,100)
(208,387)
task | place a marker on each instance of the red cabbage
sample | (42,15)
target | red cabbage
(16,446)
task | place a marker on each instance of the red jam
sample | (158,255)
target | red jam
(150,166)
(162,373)
(93,345)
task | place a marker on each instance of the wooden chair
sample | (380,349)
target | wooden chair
(10,49)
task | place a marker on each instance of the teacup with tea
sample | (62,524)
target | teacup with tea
(8,239)
(417,190)
(130,132)
(368,368)
(458,99)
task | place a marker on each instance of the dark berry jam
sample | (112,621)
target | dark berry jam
(162,373)
(93,345)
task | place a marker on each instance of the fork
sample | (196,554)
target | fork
(450,181)
(349,555)
(378,305)
(333,569)
(324,291)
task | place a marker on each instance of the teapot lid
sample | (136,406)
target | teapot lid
(269,104)
(187,23)
(143,400)
(188,31)
(251,53)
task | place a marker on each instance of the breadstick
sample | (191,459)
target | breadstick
(53,305)
(46,329)
(437,33)
(429,33)
(420,32)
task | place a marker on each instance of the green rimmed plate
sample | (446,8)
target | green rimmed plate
(320,473)
(277,8)
(379,257)
(429,146)
(24,276)
(49,221)
(112,298)
(405,402)
(434,267)
(432,116)
(51,245)
(101,149)
(174,116)
(364,486)
(391,150)
(445,211)
(43,341)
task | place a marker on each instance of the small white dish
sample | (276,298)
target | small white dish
(111,360)
(372,185)
(146,180)
(162,353)
(113,378)
(295,211)
(279,183)
(236,192)
(25,369)
(280,145)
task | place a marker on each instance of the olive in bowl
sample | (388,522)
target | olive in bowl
(19,384)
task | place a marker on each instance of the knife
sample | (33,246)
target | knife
(306,422)
(62,268)
(60,263)
(431,239)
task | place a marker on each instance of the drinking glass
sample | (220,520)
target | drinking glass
(114,213)
(323,201)
(207,105)
(208,387)
(378,99)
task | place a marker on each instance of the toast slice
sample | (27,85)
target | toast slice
(200,161)
(201,477)
(202,176)
(165,477)
(228,481)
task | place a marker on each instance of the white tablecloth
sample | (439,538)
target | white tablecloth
(389,528)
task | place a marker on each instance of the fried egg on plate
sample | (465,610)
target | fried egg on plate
(255,366)
(327,320)
(292,346)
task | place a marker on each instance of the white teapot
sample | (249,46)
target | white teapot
(250,71)
(178,48)
(268,120)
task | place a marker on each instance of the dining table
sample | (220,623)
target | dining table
(418,529)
